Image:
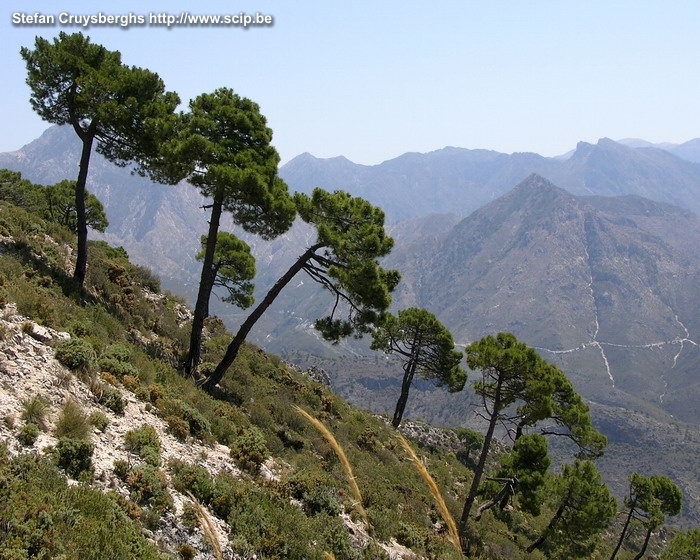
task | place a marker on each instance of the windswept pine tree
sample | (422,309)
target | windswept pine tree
(519,391)
(124,111)
(426,347)
(223,147)
(350,238)
(649,501)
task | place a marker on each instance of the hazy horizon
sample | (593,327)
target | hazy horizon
(371,82)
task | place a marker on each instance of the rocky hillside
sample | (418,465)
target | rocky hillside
(29,370)
(89,391)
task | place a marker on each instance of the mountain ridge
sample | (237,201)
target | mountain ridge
(460,180)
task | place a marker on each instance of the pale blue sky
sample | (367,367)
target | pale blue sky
(372,80)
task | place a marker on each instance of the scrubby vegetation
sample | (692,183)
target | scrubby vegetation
(285,492)
(307,474)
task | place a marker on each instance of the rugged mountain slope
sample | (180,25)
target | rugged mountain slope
(458,181)
(605,286)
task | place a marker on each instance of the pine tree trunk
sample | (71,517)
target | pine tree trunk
(471,497)
(550,527)
(87,138)
(235,345)
(624,532)
(644,546)
(206,284)
(405,388)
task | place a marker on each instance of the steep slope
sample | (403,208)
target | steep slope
(605,286)
(586,278)
(159,225)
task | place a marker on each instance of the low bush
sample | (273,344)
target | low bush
(28,433)
(145,443)
(74,456)
(249,450)
(314,489)
(178,427)
(117,368)
(43,517)
(149,486)
(75,353)
(99,420)
(192,478)
(72,422)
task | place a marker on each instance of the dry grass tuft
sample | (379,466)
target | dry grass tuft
(442,507)
(343,461)
(207,526)
(329,555)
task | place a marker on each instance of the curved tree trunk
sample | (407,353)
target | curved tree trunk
(87,138)
(624,532)
(206,284)
(409,372)
(539,541)
(646,542)
(471,497)
(235,345)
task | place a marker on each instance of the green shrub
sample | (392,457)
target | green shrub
(121,469)
(114,401)
(178,427)
(35,302)
(74,456)
(78,328)
(43,517)
(144,442)
(28,433)
(271,527)
(99,420)
(199,426)
(75,353)
(190,516)
(409,536)
(72,422)
(112,365)
(35,409)
(141,393)
(192,478)
(148,486)
(315,490)
(249,450)
(119,352)
(368,439)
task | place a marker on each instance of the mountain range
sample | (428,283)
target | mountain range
(457,180)
(591,258)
